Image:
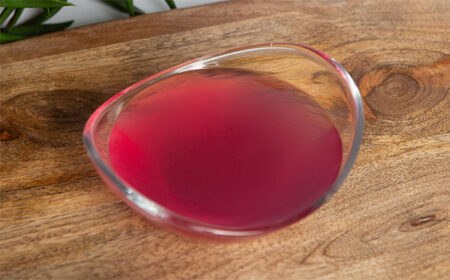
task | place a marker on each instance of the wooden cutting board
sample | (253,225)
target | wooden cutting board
(388,221)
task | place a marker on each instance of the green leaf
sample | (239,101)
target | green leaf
(14,19)
(5,38)
(171,4)
(46,14)
(33,3)
(38,29)
(121,6)
(130,7)
(5,14)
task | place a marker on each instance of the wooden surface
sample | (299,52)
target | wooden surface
(388,221)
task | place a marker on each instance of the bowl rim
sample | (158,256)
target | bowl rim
(165,217)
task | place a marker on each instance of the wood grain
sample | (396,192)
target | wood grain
(144,26)
(388,221)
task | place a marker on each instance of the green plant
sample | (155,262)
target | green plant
(12,10)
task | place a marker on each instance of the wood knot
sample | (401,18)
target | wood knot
(405,99)
(398,86)
(4,134)
(422,220)
(8,132)
(322,77)
(420,223)
(398,95)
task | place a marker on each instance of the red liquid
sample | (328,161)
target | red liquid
(227,147)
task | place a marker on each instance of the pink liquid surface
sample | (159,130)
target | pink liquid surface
(227,147)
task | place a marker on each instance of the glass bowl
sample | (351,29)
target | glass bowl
(315,73)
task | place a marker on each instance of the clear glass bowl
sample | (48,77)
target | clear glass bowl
(312,71)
